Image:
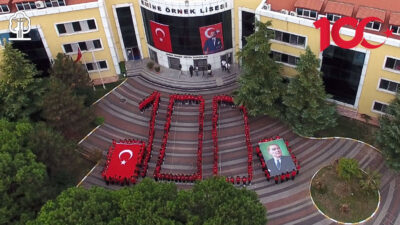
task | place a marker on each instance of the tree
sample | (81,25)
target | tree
(71,73)
(20,90)
(74,75)
(64,111)
(211,202)
(216,202)
(23,180)
(307,110)
(388,136)
(261,85)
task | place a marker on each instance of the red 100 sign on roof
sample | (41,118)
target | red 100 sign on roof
(325,33)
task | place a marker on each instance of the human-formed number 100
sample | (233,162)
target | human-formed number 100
(325,33)
(154,99)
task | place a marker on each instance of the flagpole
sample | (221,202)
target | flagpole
(98,69)
(84,62)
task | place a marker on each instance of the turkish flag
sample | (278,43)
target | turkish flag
(79,55)
(212,38)
(123,159)
(161,36)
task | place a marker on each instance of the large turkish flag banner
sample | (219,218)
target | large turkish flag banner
(123,159)
(212,38)
(161,36)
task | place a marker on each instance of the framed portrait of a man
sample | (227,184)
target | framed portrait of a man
(276,157)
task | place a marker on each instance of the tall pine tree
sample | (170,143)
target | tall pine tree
(388,136)
(307,110)
(261,85)
(20,91)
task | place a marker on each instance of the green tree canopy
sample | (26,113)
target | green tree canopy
(307,110)
(65,111)
(20,90)
(388,136)
(211,202)
(23,179)
(261,84)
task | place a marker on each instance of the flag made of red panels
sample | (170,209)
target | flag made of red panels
(161,36)
(123,160)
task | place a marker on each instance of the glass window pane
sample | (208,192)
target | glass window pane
(20,7)
(313,14)
(329,17)
(91,24)
(97,44)
(301,41)
(103,64)
(286,37)
(390,63)
(392,86)
(306,13)
(76,26)
(89,66)
(61,29)
(285,58)
(83,46)
(377,106)
(299,11)
(377,26)
(4,8)
(397,65)
(293,39)
(384,84)
(61,2)
(292,60)
(369,25)
(278,35)
(68,48)
(336,18)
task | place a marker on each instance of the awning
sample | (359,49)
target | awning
(309,4)
(364,12)
(394,19)
(339,8)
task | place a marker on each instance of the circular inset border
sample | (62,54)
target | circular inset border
(363,221)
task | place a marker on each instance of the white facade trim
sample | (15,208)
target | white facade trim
(384,90)
(78,32)
(44,41)
(54,10)
(110,40)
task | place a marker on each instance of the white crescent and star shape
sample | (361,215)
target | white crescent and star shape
(162,32)
(123,162)
(206,33)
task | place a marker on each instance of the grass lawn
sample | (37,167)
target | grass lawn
(337,192)
(100,91)
(351,128)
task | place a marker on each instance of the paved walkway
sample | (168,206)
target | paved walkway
(287,203)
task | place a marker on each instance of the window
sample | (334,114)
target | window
(389,85)
(25,5)
(333,17)
(392,63)
(307,13)
(94,66)
(83,45)
(395,29)
(76,27)
(373,26)
(380,107)
(4,9)
(54,3)
(284,58)
(289,38)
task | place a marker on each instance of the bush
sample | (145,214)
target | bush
(348,168)
(150,65)
(99,121)
(157,68)
(370,182)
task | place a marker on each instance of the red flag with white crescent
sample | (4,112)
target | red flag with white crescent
(161,36)
(79,55)
(212,38)
(123,160)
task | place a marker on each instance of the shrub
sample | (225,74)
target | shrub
(150,65)
(370,182)
(348,168)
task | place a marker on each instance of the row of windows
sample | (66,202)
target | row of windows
(32,5)
(289,38)
(77,26)
(4,9)
(98,65)
(389,85)
(307,13)
(83,45)
(284,58)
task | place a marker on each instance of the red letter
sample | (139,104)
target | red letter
(356,39)
(324,34)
